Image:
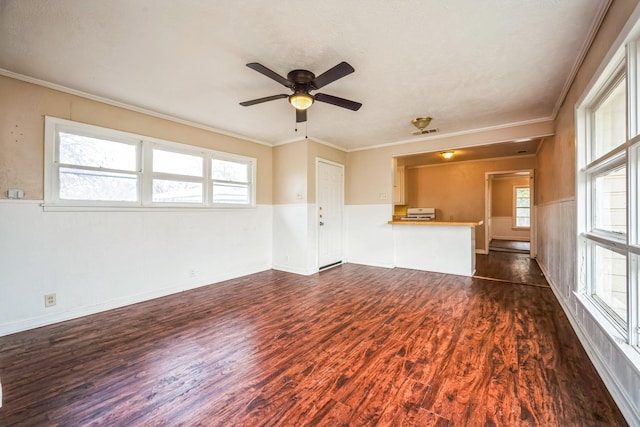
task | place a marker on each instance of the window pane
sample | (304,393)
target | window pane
(610,201)
(230,193)
(610,280)
(166,191)
(635,189)
(610,121)
(522,192)
(99,153)
(177,163)
(229,171)
(523,222)
(77,184)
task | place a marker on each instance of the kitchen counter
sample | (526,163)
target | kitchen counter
(439,246)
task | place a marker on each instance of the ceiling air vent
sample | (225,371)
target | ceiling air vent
(426,131)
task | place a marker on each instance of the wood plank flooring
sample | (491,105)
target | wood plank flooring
(350,346)
(510,267)
(509,246)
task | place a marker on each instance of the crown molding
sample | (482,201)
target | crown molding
(119,104)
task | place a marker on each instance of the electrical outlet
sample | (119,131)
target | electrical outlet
(50,300)
(14,193)
(193,272)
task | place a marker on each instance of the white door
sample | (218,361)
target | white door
(330,202)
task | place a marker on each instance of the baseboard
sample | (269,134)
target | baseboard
(621,398)
(370,263)
(294,270)
(37,322)
(516,238)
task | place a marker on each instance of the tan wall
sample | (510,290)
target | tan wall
(502,195)
(557,157)
(290,173)
(457,190)
(24,105)
(369,173)
(294,170)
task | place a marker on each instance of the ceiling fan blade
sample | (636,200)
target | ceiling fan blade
(265,99)
(301,116)
(333,74)
(340,102)
(269,73)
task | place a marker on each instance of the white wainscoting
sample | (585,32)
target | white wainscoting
(557,258)
(502,229)
(295,238)
(95,261)
(369,239)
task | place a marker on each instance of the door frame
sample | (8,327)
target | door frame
(488,176)
(317,213)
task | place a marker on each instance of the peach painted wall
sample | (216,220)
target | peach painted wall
(290,173)
(369,173)
(557,156)
(294,170)
(457,190)
(502,195)
(24,105)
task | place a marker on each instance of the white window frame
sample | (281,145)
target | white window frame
(251,173)
(149,177)
(515,225)
(144,169)
(621,64)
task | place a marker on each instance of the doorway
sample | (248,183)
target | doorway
(510,212)
(330,196)
(510,246)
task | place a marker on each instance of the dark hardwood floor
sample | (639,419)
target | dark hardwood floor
(509,267)
(352,345)
(509,246)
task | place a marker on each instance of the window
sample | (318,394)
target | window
(607,215)
(521,206)
(231,183)
(96,169)
(610,200)
(609,118)
(610,282)
(92,166)
(177,177)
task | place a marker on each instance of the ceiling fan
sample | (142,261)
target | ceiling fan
(301,82)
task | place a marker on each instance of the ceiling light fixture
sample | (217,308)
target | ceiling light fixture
(447,155)
(421,122)
(301,100)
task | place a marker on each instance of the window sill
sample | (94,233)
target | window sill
(615,335)
(48,207)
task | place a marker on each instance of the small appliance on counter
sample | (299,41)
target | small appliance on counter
(420,214)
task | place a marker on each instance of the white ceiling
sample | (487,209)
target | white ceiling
(469,64)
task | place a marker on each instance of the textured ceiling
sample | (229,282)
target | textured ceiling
(469,64)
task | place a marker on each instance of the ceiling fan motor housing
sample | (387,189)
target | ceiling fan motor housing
(301,78)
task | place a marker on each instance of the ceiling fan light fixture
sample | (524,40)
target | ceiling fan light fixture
(447,155)
(301,100)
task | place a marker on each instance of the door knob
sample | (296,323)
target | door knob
(321,223)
